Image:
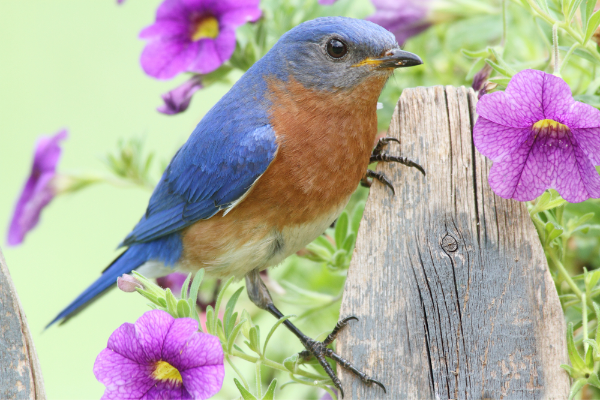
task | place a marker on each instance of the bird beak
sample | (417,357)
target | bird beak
(395,58)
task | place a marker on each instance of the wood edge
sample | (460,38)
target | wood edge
(34,363)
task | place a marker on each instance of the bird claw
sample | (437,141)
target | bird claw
(379,156)
(380,176)
(319,350)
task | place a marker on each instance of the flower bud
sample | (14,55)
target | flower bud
(128,283)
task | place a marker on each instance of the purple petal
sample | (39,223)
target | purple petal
(582,115)
(234,18)
(214,52)
(165,59)
(166,29)
(204,382)
(122,376)
(167,391)
(497,141)
(326,2)
(200,350)
(177,101)
(556,97)
(589,142)
(124,341)
(38,190)
(404,18)
(177,338)
(172,9)
(151,331)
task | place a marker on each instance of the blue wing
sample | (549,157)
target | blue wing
(209,173)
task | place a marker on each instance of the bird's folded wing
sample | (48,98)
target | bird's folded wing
(209,173)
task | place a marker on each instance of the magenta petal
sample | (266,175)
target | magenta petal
(577,179)
(556,98)
(213,52)
(204,382)
(166,29)
(237,17)
(497,141)
(176,101)
(171,9)
(165,59)
(151,330)
(588,140)
(122,375)
(503,109)
(177,338)
(201,349)
(582,116)
(124,341)
(326,2)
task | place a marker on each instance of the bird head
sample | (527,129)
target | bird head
(337,53)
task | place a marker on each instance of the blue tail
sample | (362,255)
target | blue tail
(132,258)
(166,249)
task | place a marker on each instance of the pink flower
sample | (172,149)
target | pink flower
(160,357)
(38,190)
(539,138)
(194,35)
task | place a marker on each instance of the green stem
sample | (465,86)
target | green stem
(584,322)
(565,274)
(258,380)
(555,49)
(273,364)
(237,372)
(571,50)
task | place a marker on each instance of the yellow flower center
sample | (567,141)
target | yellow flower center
(207,27)
(549,123)
(166,372)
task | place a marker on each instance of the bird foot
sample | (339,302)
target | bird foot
(380,176)
(319,350)
(378,155)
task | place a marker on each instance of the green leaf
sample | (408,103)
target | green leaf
(273,328)
(247,325)
(210,321)
(357,214)
(589,357)
(499,69)
(349,243)
(339,259)
(171,303)
(325,243)
(246,395)
(196,282)
(500,80)
(484,53)
(255,339)
(341,229)
(587,9)
(183,309)
(317,253)
(594,346)
(570,10)
(220,298)
(185,286)
(570,370)
(597,311)
(228,318)
(574,355)
(234,334)
(593,380)
(291,362)
(270,393)
(576,387)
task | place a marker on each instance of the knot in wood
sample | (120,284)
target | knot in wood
(449,244)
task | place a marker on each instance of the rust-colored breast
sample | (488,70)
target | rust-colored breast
(325,140)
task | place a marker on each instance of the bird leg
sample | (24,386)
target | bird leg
(378,155)
(258,293)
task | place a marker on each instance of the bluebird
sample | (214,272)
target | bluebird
(270,166)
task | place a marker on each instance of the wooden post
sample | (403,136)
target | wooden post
(20,372)
(449,280)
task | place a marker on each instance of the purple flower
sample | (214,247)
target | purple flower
(160,357)
(38,190)
(480,80)
(194,35)
(539,138)
(326,2)
(178,99)
(404,18)
(172,281)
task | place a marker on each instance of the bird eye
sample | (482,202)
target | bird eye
(336,48)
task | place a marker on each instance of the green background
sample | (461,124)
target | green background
(75,64)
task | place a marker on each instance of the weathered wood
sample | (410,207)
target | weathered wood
(449,281)
(20,372)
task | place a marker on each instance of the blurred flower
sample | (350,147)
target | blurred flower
(178,99)
(194,35)
(172,281)
(404,18)
(128,283)
(326,2)
(38,190)
(160,357)
(479,80)
(539,138)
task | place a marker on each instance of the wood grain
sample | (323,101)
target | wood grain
(20,372)
(449,281)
